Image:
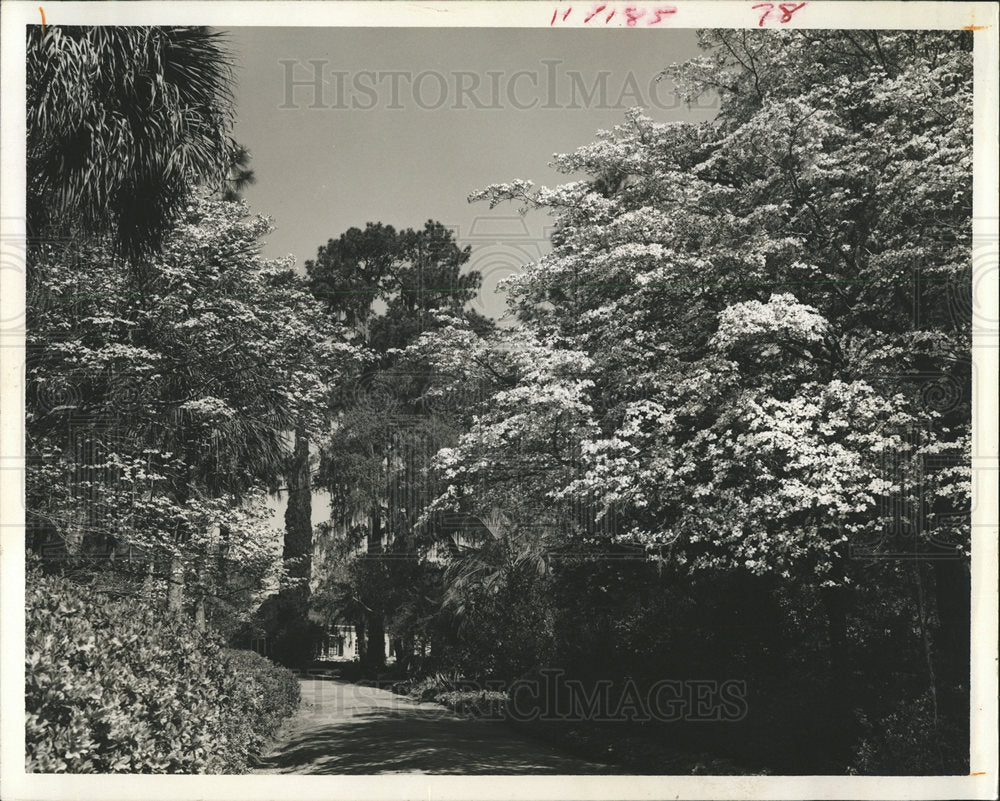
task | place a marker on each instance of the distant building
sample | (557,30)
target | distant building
(340,644)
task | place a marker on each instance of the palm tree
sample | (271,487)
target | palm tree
(122,121)
(486,554)
(239,176)
(494,606)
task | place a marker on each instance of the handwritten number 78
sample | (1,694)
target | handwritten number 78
(786,9)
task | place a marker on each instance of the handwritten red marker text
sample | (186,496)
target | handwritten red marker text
(604,14)
(652,15)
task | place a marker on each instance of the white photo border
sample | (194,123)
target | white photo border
(980,17)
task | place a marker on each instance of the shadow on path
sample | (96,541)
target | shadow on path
(344,728)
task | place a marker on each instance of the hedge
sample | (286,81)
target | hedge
(116,686)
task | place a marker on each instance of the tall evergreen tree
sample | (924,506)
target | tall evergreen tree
(390,286)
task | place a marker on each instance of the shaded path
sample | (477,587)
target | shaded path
(347,728)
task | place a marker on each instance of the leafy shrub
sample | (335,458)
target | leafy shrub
(505,631)
(481,703)
(429,687)
(117,686)
(458,694)
(910,741)
(267,695)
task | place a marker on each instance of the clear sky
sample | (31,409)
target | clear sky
(410,121)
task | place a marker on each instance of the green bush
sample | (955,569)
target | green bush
(480,703)
(267,694)
(911,741)
(429,687)
(117,686)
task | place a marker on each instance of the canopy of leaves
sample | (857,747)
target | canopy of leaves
(750,313)
(121,122)
(158,416)
(387,282)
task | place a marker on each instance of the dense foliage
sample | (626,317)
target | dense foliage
(121,122)
(726,436)
(389,286)
(167,361)
(742,304)
(159,409)
(114,686)
(737,403)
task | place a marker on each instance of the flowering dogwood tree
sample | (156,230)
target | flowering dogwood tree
(159,407)
(743,291)
(749,344)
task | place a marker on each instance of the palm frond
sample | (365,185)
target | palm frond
(122,121)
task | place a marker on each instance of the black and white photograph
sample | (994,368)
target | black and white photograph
(599,393)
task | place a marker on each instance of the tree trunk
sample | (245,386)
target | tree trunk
(298,515)
(175,586)
(176,570)
(375,530)
(360,635)
(376,640)
(375,651)
(953,597)
(835,601)
(205,577)
(404,651)
(199,613)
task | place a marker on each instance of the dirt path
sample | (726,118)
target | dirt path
(346,728)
